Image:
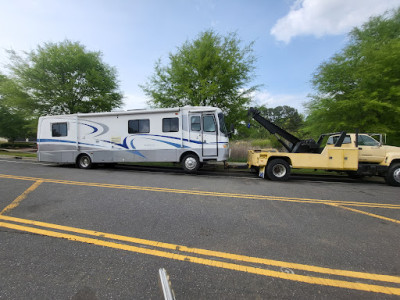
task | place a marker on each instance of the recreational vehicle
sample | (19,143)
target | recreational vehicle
(186,135)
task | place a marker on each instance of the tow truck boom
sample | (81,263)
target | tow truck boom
(294,145)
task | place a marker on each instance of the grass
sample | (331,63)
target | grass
(240,148)
(19,154)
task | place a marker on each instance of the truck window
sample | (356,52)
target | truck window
(59,129)
(208,124)
(333,139)
(139,126)
(195,123)
(365,140)
(170,124)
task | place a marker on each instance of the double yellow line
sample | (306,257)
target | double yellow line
(206,193)
(241,263)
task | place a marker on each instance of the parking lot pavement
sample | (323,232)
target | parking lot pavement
(105,233)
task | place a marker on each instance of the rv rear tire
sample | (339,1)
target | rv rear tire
(190,163)
(84,161)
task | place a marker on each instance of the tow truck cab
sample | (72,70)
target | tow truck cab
(370,150)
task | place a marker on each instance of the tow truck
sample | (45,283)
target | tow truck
(357,154)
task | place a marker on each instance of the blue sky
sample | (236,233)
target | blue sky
(292,38)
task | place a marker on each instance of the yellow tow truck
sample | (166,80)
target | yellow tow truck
(357,154)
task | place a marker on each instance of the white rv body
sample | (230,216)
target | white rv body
(158,135)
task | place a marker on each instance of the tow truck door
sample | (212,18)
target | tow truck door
(370,150)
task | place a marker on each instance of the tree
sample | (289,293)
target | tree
(14,121)
(359,87)
(285,117)
(210,71)
(65,78)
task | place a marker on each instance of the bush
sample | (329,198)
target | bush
(261,143)
(239,148)
(18,145)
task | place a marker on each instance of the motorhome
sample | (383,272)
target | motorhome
(187,135)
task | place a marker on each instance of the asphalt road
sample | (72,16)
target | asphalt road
(67,233)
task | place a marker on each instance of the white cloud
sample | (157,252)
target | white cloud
(134,101)
(272,100)
(327,17)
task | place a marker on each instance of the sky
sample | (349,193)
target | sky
(291,37)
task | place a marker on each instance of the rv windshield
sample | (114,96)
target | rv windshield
(222,123)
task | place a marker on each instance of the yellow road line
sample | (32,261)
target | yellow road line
(213,263)
(309,268)
(368,214)
(206,193)
(21,197)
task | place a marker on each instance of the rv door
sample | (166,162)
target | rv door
(210,137)
(203,131)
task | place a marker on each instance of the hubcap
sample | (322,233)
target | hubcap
(190,163)
(279,170)
(396,175)
(85,161)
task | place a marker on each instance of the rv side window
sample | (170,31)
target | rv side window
(170,125)
(59,129)
(195,123)
(139,126)
(209,124)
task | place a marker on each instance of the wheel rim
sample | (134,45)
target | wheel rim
(85,161)
(396,175)
(279,170)
(190,163)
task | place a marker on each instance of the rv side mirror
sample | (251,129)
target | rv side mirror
(232,130)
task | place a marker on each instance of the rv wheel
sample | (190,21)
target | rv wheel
(84,161)
(190,163)
(278,169)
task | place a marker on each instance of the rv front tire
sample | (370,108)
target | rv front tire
(84,161)
(190,163)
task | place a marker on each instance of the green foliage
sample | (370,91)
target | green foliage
(17,145)
(360,86)
(11,124)
(65,78)
(285,117)
(210,71)
(14,122)
(262,143)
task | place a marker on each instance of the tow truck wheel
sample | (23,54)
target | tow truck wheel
(278,170)
(393,175)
